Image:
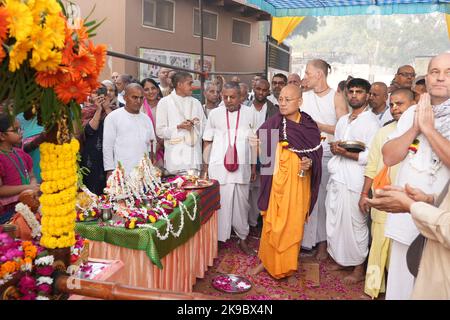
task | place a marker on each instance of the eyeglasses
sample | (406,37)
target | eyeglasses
(407,74)
(137,97)
(287,100)
(278,83)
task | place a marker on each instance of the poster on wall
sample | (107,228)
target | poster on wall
(177,59)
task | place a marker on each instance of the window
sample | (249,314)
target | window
(241,32)
(158,14)
(209,24)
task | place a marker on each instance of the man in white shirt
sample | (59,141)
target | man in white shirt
(164,81)
(378,97)
(180,121)
(244,94)
(251,95)
(211,94)
(227,159)
(421,144)
(279,81)
(127,134)
(346,226)
(326,107)
(262,109)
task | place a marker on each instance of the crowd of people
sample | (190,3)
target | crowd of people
(280,154)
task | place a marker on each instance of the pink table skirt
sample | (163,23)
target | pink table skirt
(181,267)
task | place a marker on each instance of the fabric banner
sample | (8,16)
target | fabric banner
(282,27)
(447,18)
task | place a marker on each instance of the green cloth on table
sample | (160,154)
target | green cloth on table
(146,238)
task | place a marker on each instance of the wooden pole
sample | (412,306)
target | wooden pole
(115,291)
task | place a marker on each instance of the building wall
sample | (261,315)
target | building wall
(111,32)
(123,32)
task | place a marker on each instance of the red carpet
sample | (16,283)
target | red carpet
(232,260)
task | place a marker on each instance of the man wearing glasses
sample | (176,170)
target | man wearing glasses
(404,78)
(128,134)
(279,81)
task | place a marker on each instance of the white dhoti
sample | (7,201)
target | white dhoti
(233,211)
(347,231)
(315,229)
(254,213)
(400,281)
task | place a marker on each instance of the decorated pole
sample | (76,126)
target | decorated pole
(49,66)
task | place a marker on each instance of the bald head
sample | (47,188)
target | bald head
(292,91)
(437,79)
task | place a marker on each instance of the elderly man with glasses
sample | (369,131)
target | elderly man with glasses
(404,78)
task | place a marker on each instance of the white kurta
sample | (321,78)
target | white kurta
(416,170)
(234,186)
(216,131)
(321,109)
(127,137)
(346,226)
(182,148)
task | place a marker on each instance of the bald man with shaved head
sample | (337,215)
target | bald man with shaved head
(378,96)
(128,134)
(290,176)
(427,123)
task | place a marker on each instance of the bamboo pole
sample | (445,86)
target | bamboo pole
(116,291)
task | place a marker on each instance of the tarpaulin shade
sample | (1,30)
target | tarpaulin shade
(282,8)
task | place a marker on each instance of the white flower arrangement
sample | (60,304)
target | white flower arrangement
(46,280)
(44,261)
(30,219)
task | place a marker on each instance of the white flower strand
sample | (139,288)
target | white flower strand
(30,219)
(169,226)
(296,150)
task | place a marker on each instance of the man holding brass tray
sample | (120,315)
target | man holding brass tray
(347,230)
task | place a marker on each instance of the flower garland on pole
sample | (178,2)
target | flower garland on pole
(50,67)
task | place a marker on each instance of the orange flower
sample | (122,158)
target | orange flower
(99,53)
(48,79)
(84,62)
(3,23)
(2,53)
(80,34)
(77,90)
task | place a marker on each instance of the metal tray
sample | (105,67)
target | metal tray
(353,146)
(201,184)
(231,283)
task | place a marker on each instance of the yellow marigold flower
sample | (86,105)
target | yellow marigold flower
(18,54)
(57,24)
(75,145)
(20,20)
(50,64)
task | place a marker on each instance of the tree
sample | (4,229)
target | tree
(377,40)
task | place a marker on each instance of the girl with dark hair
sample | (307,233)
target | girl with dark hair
(16,167)
(152,95)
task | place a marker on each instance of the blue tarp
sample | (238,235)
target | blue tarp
(280,8)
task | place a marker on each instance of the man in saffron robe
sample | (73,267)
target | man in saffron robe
(291,170)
